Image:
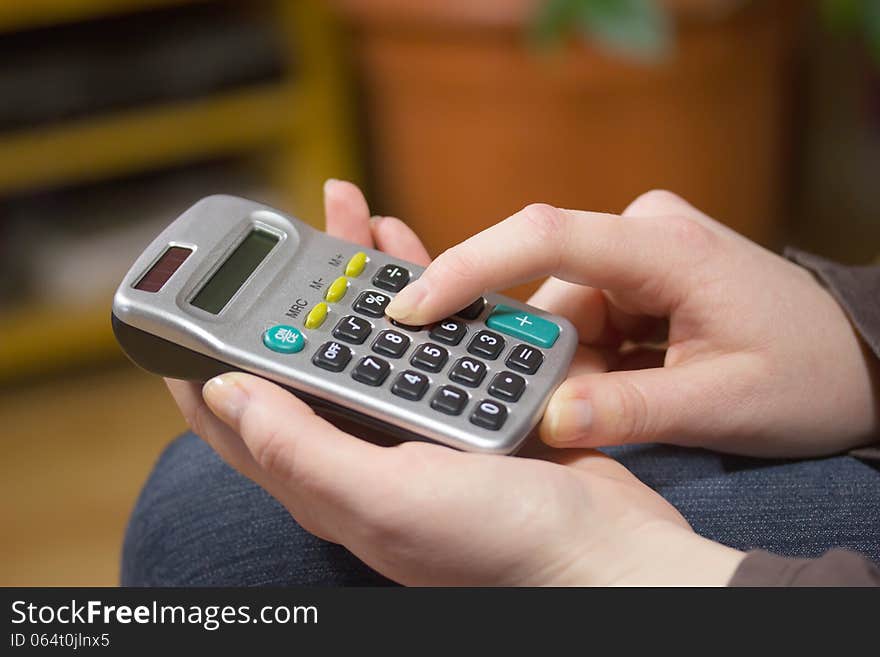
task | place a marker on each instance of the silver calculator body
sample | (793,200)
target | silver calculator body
(236,285)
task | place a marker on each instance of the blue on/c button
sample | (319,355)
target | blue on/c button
(284,339)
(523,325)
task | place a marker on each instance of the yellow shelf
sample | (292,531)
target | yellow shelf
(41,338)
(24,14)
(121,143)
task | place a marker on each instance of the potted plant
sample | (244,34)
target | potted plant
(470,116)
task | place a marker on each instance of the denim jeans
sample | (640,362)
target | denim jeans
(198,522)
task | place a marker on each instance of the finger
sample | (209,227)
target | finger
(678,405)
(648,259)
(661,203)
(322,467)
(347,213)
(598,320)
(397,239)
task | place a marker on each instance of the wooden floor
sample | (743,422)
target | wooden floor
(75,452)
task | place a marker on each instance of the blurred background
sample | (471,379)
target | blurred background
(116,115)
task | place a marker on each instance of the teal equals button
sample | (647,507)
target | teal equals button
(521,324)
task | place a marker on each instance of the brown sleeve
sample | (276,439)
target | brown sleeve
(857,290)
(834,568)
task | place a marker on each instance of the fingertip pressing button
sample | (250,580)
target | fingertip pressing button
(356,264)
(337,289)
(284,339)
(316,316)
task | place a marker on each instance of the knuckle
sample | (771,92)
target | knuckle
(655,202)
(632,422)
(271,452)
(688,235)
(545,222)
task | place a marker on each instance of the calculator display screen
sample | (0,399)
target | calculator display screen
(232,274)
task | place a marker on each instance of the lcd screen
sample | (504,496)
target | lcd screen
(232,274)
(159,273)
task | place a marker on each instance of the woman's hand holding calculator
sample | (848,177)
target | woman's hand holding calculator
(742,372)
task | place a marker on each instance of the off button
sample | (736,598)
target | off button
(284,339)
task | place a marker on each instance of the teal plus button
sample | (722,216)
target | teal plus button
(284,339)
(523,325)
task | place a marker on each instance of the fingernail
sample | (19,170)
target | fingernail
(571,420)
(329,183)
(406,302)
(225,396)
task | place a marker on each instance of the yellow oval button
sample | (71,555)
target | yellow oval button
(316,316)
(337,289)
(356,265)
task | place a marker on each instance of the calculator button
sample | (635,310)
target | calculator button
(429,357)
(352,329)
(371,370)
(316,316)
(372,303)
(337,289)
(523,325)
(473,310)
(468,371)
(391,277)
(525,359)
(489,414)
(332,356)
(391,343)
(406,327)
(449,400)
(410,385)
(284,339)
(449,331)
(507,385)
(356,265)
(486,344)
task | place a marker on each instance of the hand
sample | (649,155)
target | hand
(761,359)
(429,515)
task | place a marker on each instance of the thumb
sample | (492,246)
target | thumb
(679,405)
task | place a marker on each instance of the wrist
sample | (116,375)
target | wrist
(668,555)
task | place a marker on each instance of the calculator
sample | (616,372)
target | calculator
(233,284)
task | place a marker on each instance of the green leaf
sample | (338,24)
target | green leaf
(636,28)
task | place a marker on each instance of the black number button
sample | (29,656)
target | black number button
(429,357)
(332,356)
(486,344)
(371,370)
(468,371)
(489,415)
(507,385)
(392,278)
(410,385)
(449,400)
(449,331)
(352,329)
(391,343)
(372,303)
(473,310)
(525,359)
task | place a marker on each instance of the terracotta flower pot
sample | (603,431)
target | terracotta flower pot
(467,123)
